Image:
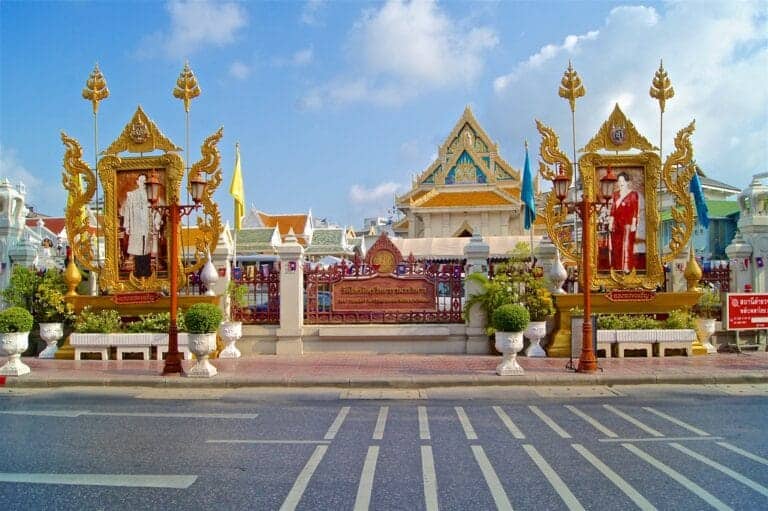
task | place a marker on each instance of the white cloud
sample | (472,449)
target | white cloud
(195,25)
(14,170)
(407,48)
(239,70)
(311,11)
(359,194)
(716,55)
(302,57)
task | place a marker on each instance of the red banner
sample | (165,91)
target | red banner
(746,311)
(139,297)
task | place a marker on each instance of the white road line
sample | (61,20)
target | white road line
(294,496)
(549,422)
(381,423)
(491,479)
(746,454)
(634,421)
(124,480)
(680,423)
(469,431)
(679,478)
(429,477)
(363,500)
(569,498)
(594,423)
(615,478)
(215,441)
(170,415)
(661,439)
(508,423)
(46,413)
(423,424)
(722,468)
(331,434)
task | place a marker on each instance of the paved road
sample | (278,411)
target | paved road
(654,447)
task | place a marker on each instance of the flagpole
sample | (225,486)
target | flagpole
(661,90)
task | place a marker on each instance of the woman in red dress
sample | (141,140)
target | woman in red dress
(622,224)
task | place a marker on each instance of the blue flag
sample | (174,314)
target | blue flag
(698,198)
(527,193)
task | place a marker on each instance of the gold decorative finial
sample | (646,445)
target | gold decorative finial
(96,88)
(661,87)
(571,87)
(692,272)
(186,86)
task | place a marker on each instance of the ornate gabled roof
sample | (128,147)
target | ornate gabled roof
(618,134)
(465,198)
(285,223)
(257,239)
(328,241)
(141,135)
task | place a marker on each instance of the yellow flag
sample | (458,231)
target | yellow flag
(236,190)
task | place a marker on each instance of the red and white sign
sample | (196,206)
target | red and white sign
(746,311)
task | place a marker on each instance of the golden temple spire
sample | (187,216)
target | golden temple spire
(571,87)
(661,87)
(95,88)
(186,86)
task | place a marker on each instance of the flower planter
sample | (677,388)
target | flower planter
(202,345)
(12,345)
(509,343)
(707,327)
(50,333)
(230,332)
(535,332)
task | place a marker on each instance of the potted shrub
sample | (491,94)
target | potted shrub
(51,311)
(709,302)
(15,325)
(538,300)
(509,321)
(231,331)
(202,320)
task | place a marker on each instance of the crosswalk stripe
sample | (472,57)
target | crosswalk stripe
(491,479)
(662,439)
(363,499)
(680,423)
(334,429)
(423,423)
(122,480)
(615,478)
(381,423)
(560,487)
(508,423)
(429,477)
(549,422)
(746,454)
(294,496)
(592,422)
(679,478)
(632,420)
(469,431)
(722,468)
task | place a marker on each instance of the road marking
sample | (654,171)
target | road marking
(294,496)
(363,500)
(679,478)
(469,431)
(594,423)
(634,421)
(680,423)
(722,468)
(491,479)
(661,439)
(508,423)
(381,423)
(215,441)
(753,457)
(549,422)
(334,429)
(615,478)
(80,413)
(124,480)
(45,413)
(429,477)
(569,498)
(423,424)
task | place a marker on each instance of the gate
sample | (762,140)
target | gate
(263,297)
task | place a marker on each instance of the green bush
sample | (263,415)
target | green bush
(15,319)
(203,318)
(156,322)
(709,302)
(680,320)
(627,322)
(511,317)
(102,322)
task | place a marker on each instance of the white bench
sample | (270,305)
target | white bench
(123,343)
(90,343)
(183,342)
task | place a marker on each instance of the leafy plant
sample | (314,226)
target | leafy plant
(49,305)
(238,293)
(709,302)
(537,299)
(21,287)
(680,320)
(203,318)
(105,321)
(156,322)
(15,319)
(576,311)
(495,292)
(627,322)
(511,317)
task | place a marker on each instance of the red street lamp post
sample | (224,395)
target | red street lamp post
(584,208)
(174,212)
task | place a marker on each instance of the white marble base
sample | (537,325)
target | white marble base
(14,367)
(202,369)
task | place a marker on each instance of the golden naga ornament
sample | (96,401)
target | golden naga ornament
(76,171)
(677,173)
(661,87)
(571,87)
(186,86)
(96,88)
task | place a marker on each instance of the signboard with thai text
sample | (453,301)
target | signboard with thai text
(384,293)
(136,297)
(630,295)
(746,311)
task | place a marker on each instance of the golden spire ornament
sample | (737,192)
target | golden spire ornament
(96,88)
(186,86)
(661,87)
(571,87)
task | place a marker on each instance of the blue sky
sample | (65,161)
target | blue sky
(337,104)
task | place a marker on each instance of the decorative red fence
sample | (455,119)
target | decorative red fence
(718,277)
(263,298)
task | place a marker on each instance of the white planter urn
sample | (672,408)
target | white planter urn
(707,327)
(509,343)
(535,333)
(50,333)
(202,345)
(12,345)
(230,332)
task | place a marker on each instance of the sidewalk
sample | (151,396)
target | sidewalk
(402,371)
